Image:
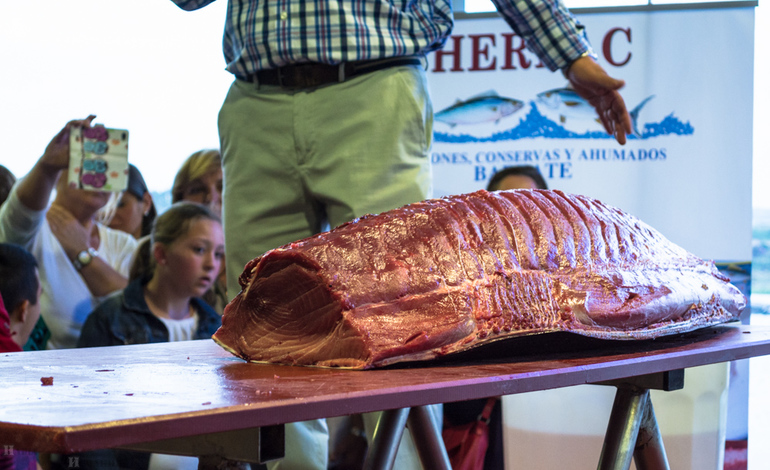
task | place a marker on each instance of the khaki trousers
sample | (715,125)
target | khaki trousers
(296,162)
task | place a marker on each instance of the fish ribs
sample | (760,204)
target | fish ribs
(446,275)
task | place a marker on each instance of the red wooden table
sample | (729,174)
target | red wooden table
(149,396)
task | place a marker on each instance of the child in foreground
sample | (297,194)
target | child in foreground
(19,311)
(161,304)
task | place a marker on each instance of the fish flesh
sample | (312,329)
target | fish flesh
(446,275)
(486,107)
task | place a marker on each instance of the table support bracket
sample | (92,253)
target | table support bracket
(254,445)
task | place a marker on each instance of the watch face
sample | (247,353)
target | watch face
(84,257)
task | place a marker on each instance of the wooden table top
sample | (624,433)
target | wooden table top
(108,397)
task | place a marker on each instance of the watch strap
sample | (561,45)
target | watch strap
(84,258)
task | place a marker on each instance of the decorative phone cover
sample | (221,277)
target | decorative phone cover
(99,159)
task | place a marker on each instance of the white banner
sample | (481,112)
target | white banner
(689,78)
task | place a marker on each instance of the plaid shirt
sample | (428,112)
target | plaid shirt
(272,33)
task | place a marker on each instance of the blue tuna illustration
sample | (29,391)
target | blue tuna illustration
(635,115)
(481,108)
(568,103)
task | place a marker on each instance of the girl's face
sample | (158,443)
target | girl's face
(128,215)
(206,190)
(191,263)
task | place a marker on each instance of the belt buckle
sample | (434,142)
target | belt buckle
(306,75)
(295,76)
(279,74)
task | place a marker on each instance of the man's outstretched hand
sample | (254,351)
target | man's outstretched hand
(592,83)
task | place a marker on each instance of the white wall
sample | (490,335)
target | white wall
(143,65)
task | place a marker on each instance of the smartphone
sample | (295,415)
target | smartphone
(98,159)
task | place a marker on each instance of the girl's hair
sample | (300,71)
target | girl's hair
(196,166)
(138,188)
(168,228)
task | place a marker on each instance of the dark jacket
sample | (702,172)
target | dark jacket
(125,318)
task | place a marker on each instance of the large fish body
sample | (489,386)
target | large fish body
(446,275)
(487,107)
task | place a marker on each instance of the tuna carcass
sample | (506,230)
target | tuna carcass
(446,275)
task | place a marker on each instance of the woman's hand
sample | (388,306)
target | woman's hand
(72,236)
(57,153)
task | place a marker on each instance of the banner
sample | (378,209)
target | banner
(686,170)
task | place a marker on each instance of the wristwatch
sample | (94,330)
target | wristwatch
(84,258)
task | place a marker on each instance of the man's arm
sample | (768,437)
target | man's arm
(558,39)
(548,29)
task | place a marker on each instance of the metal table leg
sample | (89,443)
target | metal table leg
(427,439)
(650,453)
(623,428)
(633,430)
(387,436)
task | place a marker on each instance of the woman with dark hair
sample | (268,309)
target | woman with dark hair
(135,210)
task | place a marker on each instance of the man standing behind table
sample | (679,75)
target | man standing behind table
(330,118)
(80,261)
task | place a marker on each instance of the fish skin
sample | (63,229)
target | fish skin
(447,275)
(479,109)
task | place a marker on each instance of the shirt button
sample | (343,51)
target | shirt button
(284,15)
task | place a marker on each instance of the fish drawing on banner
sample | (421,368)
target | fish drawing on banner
(568,104)
(486,107)
(564,104)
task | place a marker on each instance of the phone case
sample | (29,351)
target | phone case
(99,159)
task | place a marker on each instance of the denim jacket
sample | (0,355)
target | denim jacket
(124,318)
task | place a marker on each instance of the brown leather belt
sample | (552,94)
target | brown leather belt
(309,75)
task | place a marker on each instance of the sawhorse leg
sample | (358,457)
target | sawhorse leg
(425,433)
(633,430)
